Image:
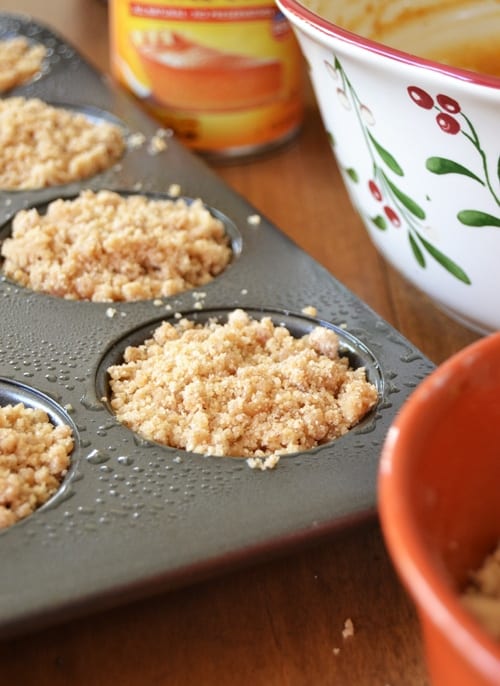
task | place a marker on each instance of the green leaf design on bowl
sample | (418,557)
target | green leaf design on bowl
(441,165)
(379,222)
(477,218)
(386,156)
(445,261)
(405,200)
(419,256)
(396,205)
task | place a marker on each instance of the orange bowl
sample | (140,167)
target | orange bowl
(439,505)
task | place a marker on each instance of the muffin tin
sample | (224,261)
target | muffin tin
(133,517)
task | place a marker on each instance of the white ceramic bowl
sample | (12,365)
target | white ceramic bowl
(418,142)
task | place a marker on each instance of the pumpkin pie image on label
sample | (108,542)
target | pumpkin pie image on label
(225,76)
(187,75)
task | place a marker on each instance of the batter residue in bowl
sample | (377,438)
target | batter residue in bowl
(482,595)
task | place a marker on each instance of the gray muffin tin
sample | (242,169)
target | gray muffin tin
(133,517)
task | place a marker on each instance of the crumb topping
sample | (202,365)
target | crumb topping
(107,247)
(34,457)
(244,388)
(20,59)
(43,146)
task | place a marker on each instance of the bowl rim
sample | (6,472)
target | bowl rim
(427,585)
(308,18)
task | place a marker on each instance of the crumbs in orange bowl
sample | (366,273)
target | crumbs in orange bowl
(482,596)
(20,60)
(43,146)
(34,458)
(108,247)
(244,388)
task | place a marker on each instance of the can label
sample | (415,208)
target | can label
(225,75)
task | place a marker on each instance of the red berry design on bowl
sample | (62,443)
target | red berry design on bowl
(392,216)
(384,182)
(449,112)
(375,190)
(448,123)
(421,97)
(448,104)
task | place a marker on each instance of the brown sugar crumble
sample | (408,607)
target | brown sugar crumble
(34,457)
(348,630)
(107,247)
(482,596)
(42,146)
(310,310)
(20,60)
(244,388)
(263,463)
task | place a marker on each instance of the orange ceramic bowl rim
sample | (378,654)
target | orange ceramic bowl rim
(435,600)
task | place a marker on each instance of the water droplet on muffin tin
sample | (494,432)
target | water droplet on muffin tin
(91,404)
(125,460)
(85,509)
(96,456)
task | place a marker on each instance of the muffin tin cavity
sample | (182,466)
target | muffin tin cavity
(131,510)
(111,246)
(46,146)
(14,393)
(357,353)
(58,55)
(23,60)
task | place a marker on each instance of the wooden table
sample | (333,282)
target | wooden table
(280,622)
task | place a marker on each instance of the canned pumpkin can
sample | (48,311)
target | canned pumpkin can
(225,75)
